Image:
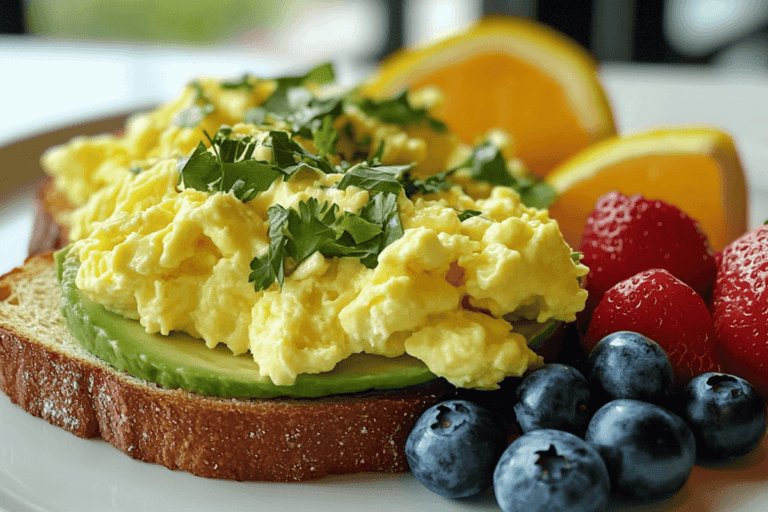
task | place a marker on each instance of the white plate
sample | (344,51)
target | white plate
(44,468)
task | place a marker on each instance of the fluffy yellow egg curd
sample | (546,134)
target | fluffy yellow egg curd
(390,263)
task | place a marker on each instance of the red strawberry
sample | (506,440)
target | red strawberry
(626,235)
(658,305)
(740,308)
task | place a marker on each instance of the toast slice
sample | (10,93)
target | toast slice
(47,233)
(45,371)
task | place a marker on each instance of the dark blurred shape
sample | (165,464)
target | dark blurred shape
(571,18)
(525,8)
(394,37)
(650,42)
(12,17)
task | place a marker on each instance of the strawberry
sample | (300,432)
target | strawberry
(626,235)
(740,308)
(658,305)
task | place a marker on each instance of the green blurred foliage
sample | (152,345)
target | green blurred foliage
(179,21)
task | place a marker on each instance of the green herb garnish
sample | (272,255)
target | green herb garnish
(290,91)
(201,106)
(398,110)
(243,83)
(468,214)
(230,168)
(430,185)
(314,227)
(486,163)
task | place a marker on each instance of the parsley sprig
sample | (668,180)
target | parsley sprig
(398,110)
(230,168)
(296,234)
(486,163)
(201,106)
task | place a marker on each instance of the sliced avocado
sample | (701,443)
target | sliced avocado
(181,361)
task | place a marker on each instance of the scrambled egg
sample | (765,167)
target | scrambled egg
(178,259)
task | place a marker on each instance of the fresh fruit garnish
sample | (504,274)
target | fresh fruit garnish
(626,235)
(555,396)
(649,451)
(510,73)
(551,471)
(740,308)
(626,364)
(726,415)
(658,305)
(696,169)
(453,448)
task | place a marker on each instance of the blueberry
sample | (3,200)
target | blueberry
(551,470)
(453,448)
(726,415)
(649,451)
(628,365)
(554,396)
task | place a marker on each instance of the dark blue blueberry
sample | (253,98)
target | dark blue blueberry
(551,471)
(554,396)
(453,448)
(628,365)
(726,415)
(649,451)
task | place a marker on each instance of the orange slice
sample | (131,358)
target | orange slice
(697,169)
(510,73)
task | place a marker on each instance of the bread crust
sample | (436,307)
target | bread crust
(257,439)
(47,233)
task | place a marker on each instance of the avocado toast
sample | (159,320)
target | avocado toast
(323,299)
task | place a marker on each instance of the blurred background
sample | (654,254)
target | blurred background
(668,31)
(116,54)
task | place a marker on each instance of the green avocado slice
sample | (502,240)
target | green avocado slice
(181,361)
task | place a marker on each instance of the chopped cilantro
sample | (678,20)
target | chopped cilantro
(290,91)
(201,106)
(290,156)
(430,185)
(325,137)
(398,110)
(243,83)
(314,227)
(468,214)
(374,178)
(486,163)
(229,169)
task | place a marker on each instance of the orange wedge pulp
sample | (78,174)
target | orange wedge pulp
(696,169)
(510,73)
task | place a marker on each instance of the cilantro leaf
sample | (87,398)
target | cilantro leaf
(290,156)
(290,89)
(243,83)
(325,137)
(382,211)
(201,106)
(537,194)
(468,214)
(304,117)
(398,110)
(486,163)
(374,178)
(270,267)
(229,168)
(297,233)
(433,184)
